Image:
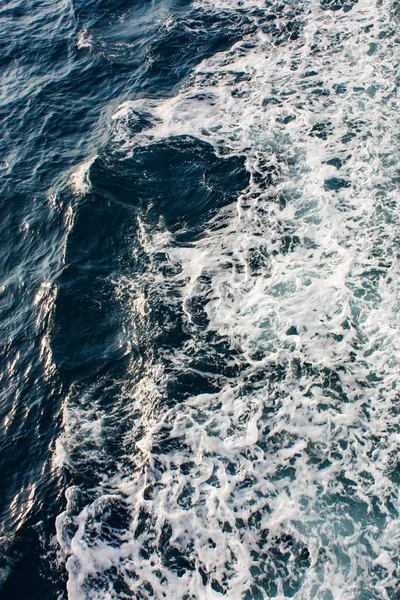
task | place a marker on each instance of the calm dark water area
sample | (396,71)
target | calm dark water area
(199,299)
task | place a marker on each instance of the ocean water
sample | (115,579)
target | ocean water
(200,300)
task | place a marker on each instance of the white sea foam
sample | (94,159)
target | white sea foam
(79,178)
(84,40)
(281,484)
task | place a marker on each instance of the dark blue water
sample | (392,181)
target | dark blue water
(199,326)
(56,103)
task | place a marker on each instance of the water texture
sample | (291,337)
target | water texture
(200,300)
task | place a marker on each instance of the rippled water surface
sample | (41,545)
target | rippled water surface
(199,299)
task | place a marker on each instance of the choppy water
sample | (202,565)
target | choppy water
(200,300)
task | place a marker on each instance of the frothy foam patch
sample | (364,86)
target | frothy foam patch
(79,179)
(84,40)
(283,483)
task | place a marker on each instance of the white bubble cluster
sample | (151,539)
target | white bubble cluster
(284,482)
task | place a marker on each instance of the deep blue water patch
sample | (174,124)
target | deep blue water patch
(183,183)
(55,106)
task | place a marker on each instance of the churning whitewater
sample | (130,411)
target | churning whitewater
(251,449)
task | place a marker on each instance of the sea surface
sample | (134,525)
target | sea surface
(199,299)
